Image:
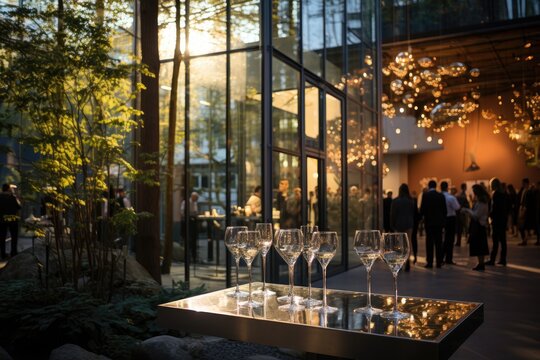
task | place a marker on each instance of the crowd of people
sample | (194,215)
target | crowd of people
(447,215)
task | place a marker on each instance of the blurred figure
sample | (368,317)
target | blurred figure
(478,245)
(387,205)
(402,210)
(254,201)
(527,210)
(9,219)
(433,210)
(499,218)
(462,219)
(354,210)
(414,236)
(192,212)
(514,209)
(294,210)
(281,201)
(452,207)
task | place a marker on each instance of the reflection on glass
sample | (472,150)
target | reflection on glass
(313,190)
(245,139)
(312,41)
(285,26)
(207,27)
(333,166)
(244,23)
(285,105)
(311,246)
(288,195)
(335,23)
(311,113)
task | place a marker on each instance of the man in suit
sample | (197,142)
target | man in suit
(452,206)
(433,209)
(499,218)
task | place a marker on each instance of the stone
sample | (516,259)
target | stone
(137,278)
(74,352)
(261,357)
(162,347)
(20,267)
(178,252)
(4,355)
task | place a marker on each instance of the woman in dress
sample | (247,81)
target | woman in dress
(402,213)
(478,244)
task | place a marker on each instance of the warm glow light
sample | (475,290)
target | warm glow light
(429,138)
(398,131)
(440,141)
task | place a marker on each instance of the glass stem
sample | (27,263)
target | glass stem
(324,286)
(368,287)
(291,283)
(395,290)
(249,271)
(309,279)
(264,272)
(237,266)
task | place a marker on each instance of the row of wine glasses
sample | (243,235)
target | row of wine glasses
(394,249)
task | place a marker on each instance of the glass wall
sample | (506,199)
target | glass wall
(316,111)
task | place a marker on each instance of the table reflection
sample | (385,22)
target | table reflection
(430,319)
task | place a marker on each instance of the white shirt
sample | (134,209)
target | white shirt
(452,205)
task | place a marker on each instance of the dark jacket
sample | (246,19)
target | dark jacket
(402,213)
(9,205)
(499,209)
(433,209)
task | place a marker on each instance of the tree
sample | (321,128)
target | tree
(148,244)
(57,72)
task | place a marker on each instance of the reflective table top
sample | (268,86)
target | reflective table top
(430,319)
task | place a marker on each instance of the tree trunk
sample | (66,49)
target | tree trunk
(148,232)
(168,246)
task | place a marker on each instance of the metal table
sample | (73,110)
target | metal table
(435,329)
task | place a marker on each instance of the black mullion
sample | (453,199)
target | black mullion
(228,141)
(377,70)
(323,65)
(303,162)
(187,170)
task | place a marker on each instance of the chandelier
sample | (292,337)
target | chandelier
(420,85)
(524,127)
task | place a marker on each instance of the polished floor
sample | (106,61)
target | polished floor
(511,297)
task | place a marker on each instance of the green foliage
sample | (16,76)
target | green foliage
(59,71)
(47,319)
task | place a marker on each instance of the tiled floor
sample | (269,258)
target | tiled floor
(511,297)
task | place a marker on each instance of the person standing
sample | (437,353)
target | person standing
(527,209)
(414,236)
(193,211)
(254,201)
(478,245)
(387,205)
(499,219)
(402,212)
(281,202)
(514,209)
(461,215)
(452,206)
(9,219)
(433,210)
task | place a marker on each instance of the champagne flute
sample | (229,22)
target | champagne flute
(266,231)
(395,251)
(311,245)
(367,244)
(250,244)
(231,241)
(289,244)
(327,249)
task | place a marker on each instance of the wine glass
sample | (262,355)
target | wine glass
(250,244)
(266,231)
(395,251)
(311,245)
(231,241)
(328,243)
(289,244)
(367,244)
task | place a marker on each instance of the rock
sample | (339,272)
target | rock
(195,349)
(162,347)
(20,267)
(261,357)
(137,278)
(4,355)
(178,252)
(74,352)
